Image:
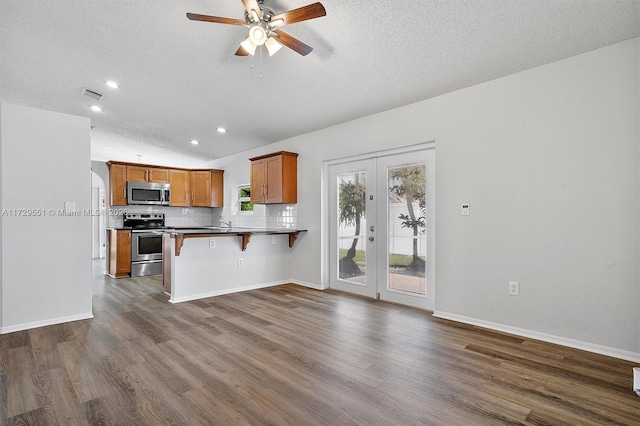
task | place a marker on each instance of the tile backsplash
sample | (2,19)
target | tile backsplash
(282,215)
(173,216)
(263,216)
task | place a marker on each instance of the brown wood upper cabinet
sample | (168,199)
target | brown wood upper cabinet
(207,188)
(189,188)
(147,174)
(274,178)
(180,181)
(118,184)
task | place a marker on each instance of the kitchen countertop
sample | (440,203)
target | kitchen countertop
(232,230)
(214,231)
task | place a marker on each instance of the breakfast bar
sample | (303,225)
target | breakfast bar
(244,233)
(205,262)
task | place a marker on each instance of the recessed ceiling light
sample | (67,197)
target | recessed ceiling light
(95,108)
(195,142)
(112,84)
(221,130)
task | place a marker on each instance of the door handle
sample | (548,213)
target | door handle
(371,238)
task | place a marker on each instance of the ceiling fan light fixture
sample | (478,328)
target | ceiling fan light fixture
(254,15)
(276,22)
(258,35)
(249,46)
(273,46)
(263,23)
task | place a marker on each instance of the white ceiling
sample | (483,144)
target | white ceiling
(180,79)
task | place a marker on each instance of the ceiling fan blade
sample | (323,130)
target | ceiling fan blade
(293,43)
(241,52)
(315,10)
(215,19)
(252,5)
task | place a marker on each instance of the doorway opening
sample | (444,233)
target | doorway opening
(381,221)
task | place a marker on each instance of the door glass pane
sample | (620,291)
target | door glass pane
(407,236)
(351,227)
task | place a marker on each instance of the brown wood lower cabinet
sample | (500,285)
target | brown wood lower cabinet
(119,260)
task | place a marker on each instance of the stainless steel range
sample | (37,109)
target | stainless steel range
(146,242)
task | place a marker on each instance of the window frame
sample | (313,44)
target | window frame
(242,200)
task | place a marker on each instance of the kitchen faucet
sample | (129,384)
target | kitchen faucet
(228,224)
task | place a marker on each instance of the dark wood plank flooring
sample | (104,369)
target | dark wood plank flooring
(291,355)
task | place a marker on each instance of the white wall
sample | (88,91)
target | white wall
(45,259)
(555,200)
(1,221)
(548,160)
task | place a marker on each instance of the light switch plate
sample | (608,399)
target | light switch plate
(514,288)
(464,209)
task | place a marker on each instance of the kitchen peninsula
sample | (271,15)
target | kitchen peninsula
(205,262)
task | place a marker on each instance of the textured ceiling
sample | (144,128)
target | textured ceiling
(180,79)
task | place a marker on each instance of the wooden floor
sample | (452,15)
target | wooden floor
(291,355)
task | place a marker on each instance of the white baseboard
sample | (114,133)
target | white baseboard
(239,289)
(549,338)
(225,291)
(44,323)
(306,284)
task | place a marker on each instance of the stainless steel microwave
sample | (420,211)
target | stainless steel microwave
(147,193)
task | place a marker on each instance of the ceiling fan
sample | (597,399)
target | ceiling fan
(264,26)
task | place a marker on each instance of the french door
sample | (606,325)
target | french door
(381,221)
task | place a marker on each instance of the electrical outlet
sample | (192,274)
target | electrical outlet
(240,262)
(514,288)
(273,240)
(212,243)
